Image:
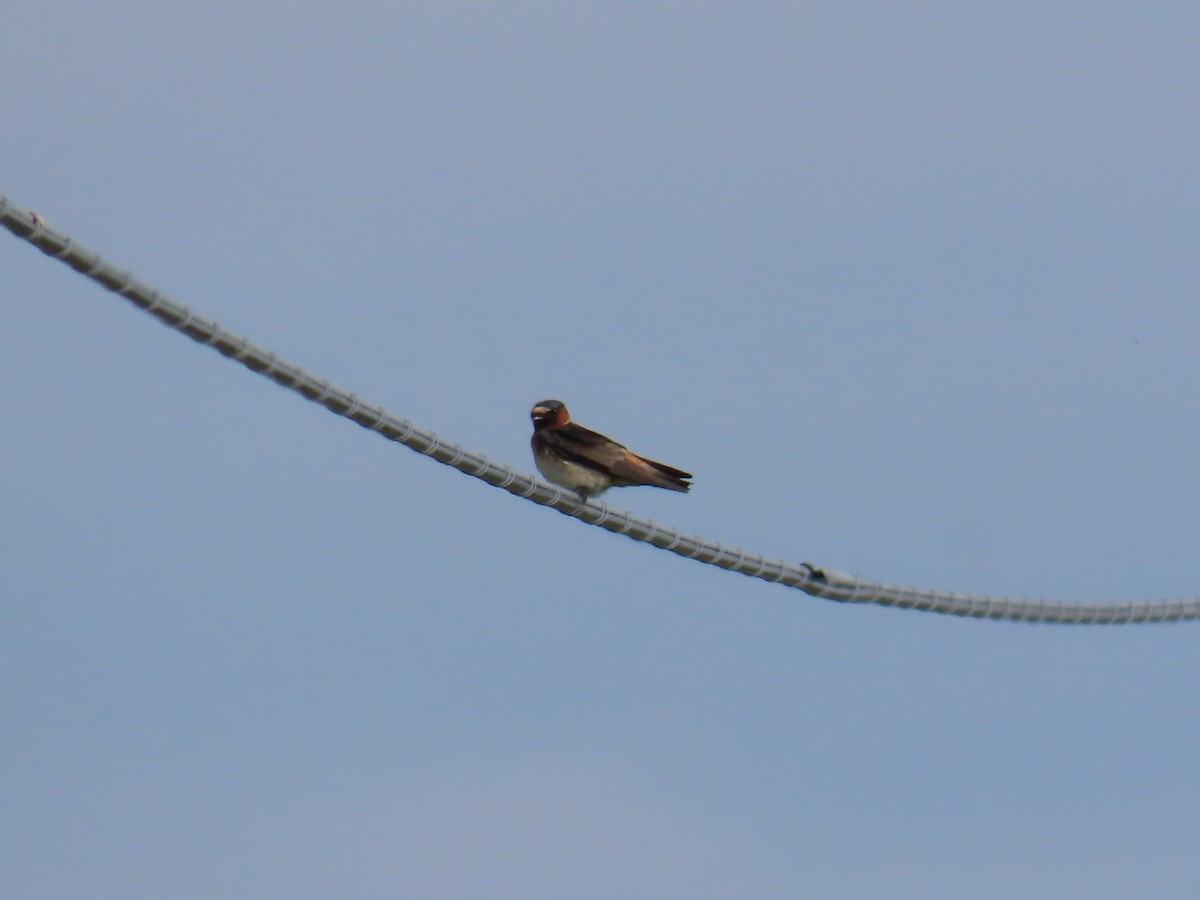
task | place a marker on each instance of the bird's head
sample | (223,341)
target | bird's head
(549,414)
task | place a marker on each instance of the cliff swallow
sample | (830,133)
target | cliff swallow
(588,463)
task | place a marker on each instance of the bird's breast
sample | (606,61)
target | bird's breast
(570,474)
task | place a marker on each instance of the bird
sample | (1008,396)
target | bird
(588,463)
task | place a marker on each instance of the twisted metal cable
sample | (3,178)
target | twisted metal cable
(824,583)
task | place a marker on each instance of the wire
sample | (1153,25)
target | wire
(819,582)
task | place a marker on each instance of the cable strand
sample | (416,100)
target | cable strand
(824,583)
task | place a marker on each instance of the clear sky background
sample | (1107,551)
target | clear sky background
(912,288)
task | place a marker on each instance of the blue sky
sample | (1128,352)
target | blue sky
(911,289)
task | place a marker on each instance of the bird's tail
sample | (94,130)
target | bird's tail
(668,476)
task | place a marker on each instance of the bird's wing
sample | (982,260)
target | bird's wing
(583,446)
(586,447)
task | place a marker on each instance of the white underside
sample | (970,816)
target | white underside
(572,475)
